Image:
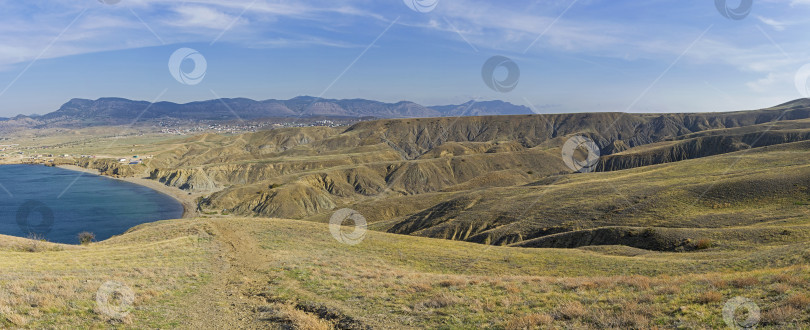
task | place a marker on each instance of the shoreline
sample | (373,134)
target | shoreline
(187,201)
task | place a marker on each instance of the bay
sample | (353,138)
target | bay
(57,204)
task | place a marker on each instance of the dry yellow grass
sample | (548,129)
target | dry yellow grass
(269,272)
(59,284)
(709,297)
(530,321)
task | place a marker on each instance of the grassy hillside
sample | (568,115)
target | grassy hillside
(721,192)
(48,285)
(475,222)
(306,173)
(236,272)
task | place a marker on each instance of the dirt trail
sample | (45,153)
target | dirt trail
(236,297)
(226,301)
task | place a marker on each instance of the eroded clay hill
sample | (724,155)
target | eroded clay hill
(501,179)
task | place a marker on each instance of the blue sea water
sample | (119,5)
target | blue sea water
(58,204)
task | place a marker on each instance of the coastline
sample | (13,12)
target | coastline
(182,197)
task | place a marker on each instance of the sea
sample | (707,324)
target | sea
(57,204)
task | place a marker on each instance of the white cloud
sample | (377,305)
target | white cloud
(28,28)
(764,84)
(740,46)
(776,25)
(204,17)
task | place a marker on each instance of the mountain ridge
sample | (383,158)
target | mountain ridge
(79,112)
(116,110)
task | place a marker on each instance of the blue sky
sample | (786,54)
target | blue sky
(573,56)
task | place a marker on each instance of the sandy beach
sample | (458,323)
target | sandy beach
(188,201)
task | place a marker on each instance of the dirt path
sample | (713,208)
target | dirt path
(227,301)
(230,299)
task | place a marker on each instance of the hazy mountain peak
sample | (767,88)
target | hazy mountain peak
(115,110)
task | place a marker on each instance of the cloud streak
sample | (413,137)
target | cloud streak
(27,29)
(761,51)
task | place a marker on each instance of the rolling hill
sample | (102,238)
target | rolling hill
(307,172)
(474,222)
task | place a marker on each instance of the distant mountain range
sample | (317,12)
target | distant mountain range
(112,111)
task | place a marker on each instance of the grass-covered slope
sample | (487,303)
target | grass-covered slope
(764,187)
(45,285)
(232,272)
(394,281)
